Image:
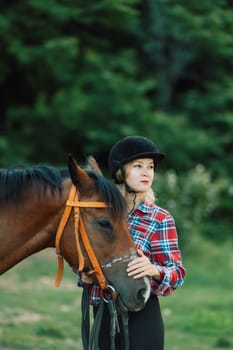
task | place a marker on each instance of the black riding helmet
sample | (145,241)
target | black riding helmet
(130,148)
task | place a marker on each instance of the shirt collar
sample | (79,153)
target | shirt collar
(144,207)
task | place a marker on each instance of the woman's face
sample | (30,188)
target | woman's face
(140,174)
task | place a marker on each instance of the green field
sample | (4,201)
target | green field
(35,315)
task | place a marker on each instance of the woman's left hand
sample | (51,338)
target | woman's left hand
(142,267)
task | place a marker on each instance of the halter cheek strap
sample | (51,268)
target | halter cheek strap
(79,231)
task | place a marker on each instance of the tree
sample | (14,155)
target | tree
(77,76)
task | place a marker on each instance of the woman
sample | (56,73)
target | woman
(132,163)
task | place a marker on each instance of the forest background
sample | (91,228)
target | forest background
(76,76)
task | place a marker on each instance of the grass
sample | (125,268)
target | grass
(198,316)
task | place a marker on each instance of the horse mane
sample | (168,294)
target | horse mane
(111,195)
(15,180)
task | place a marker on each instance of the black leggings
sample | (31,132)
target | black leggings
(146,330)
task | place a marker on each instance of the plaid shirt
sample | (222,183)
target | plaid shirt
(154,232)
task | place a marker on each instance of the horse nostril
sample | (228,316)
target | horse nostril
(142,295)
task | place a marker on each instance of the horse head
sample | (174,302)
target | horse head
(107,233)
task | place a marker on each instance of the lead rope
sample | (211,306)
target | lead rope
(114,323)
(90,340)
(85,326)
(95,333)
(125,322)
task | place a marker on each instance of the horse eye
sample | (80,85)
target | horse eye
(106,224)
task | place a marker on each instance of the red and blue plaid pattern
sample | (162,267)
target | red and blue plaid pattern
(154,232)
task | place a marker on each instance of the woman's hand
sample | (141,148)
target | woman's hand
(86,278)
(142,267)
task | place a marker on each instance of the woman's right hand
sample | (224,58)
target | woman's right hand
(86,278)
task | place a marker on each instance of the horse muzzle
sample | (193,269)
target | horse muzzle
(132,293)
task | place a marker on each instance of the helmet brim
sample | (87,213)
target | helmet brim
(154,155)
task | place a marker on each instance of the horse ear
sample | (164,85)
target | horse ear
(93,165)
(78,176)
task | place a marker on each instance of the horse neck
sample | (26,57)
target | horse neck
(30,227)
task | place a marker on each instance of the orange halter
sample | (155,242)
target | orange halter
(79,231)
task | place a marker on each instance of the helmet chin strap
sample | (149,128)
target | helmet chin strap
(128,189)
(123,181)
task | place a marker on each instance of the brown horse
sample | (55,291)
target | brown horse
(32,202)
